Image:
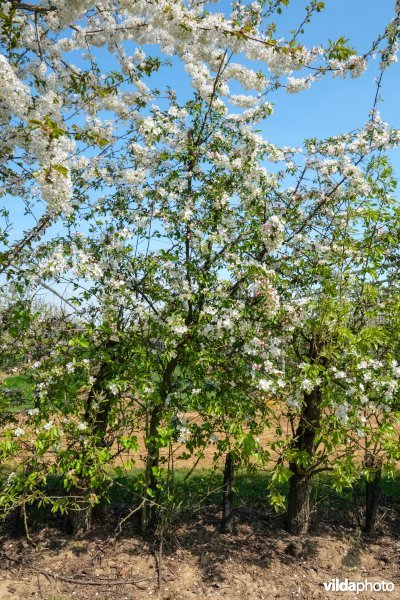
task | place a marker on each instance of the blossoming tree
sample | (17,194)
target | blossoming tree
(331,327)
(169,225)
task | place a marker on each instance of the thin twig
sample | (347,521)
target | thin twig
(28,537)
(57,577)
(118,529)
(38,37)
(159,566)
(38,582)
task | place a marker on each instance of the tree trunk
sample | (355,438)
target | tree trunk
(228,495)
(372,494)
(148,513)
(298,512)
(100,396)
(151,492)
(80,517)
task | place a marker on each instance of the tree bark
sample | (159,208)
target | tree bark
(227,522)
(298,512)
(151,492)
(80,517)
(372,494)
(148,513)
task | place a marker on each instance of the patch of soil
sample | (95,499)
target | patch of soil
(259,562)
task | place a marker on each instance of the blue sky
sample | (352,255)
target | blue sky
(335,105)
(331,106)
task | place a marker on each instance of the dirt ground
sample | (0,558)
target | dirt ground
(259,562)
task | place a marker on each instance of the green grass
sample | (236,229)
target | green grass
(203,487)
(22,384)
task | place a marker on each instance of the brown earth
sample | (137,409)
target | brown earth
(259,562)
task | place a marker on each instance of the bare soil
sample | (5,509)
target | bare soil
(259,562)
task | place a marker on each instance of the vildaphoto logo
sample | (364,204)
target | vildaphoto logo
(336,585)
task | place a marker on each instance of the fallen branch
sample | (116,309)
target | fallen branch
(103,582)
